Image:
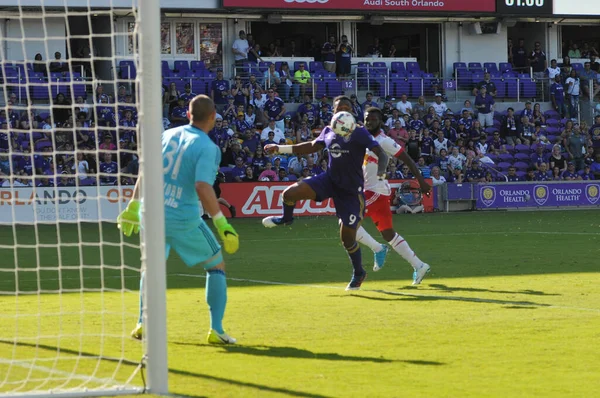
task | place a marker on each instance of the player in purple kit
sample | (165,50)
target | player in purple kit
(343,181)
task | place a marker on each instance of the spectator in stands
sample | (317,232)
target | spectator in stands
(595,167)
(497,145)
(538,61)
(449,131)
(574,51)
(553,70)
(283,175)
(313,50)
(328,54)
(570,174)
(251,142)
(254,53)
(508,128)
(259,160)
(586,174)
(575,145)
(61,111)
(229,111)
(249,116)
(526,131)
(171,96)
(301,81)
(594,61)
(258,103)
(108,170)
(487,83)
(271,139)
(178,115)
(219,88)
(538,157)
(240,49)
(512,175)
(484,103)
(357,110)
(393,173)
(271,76)
(287,81)
(543,174)
(374,50)
(278,134)
(573,89)
(268,174)
(239,170)
(249,175)
(588,159)
(303,133)
(430,117)
(240,126)
(369,101)
(344,52)
(399,134)
(39,66)
(421,107)
(391,121)
(557,159)
(404,106)
(392,51)
(436,177)
(520,56)
(57,64)
(325,114)
(475,174)
(239,92)
(274,109)
(538,115)
(441,109)
(425,170)
(440,143)
(557,95)
(587,76)
(510,51)
(456,160)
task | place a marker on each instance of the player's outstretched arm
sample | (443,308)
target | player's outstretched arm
(298,149)
(230,238)
(407,160)
(129,220)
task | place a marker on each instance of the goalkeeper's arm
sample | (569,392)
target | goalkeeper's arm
(207,196)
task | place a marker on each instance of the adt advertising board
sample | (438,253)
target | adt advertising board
(263,199)
(506,196)
(66,204)
(370,5)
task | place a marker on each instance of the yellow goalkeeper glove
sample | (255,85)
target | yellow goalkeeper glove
(129,220)
(230,238)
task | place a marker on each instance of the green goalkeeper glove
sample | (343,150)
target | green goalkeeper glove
(230,238)
(129,220)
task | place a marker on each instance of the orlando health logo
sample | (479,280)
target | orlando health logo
(592,193)
(488,195)
(540,194)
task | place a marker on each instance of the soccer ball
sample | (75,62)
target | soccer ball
(343,123)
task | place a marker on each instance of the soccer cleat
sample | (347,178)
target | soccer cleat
(232,211)
(420,273)
(380,258)
(356,281)
(215,337)
(271,221)
(137,332)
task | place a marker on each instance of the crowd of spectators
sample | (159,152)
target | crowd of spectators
(472,144)
(69,142)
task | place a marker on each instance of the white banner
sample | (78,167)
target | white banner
(67,204)
(577,7)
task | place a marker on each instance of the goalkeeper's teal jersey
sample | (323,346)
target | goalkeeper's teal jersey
(189,156)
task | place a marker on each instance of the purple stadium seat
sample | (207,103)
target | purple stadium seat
(475,66)
(490,131)
(329,76)
(553,123)
(197,65)
(522,156)
(320,89)
(398,67)
(459,65)
(505,66)
(181,65)
(493,157)
(522,166)
(416,87)
(551,114)
(527,86)
(500,87)
(503,166)
(464,79)
(314,66)
(490,67)
(522,148)
(512,88)
(506,157)
(334,88)
(510,149)
(399,87)
(413,67)
(39,89)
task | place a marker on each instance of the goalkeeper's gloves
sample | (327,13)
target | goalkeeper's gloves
(129,220)
(230,238)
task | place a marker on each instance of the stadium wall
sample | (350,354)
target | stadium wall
(35,35)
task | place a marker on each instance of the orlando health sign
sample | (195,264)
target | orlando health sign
(522,195)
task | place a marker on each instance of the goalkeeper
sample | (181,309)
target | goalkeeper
(190,163)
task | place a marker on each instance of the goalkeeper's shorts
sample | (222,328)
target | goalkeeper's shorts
(195,246)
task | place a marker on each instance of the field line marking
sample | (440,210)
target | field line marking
(437,235)
(473,299)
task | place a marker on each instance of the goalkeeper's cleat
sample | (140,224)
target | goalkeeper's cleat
(380,258)
(215,337)
(137,332)
(356,281)
(420,273)
(232,211)
(271,221)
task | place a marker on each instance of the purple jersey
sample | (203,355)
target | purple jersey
(329,57)
(274,107)
(187,97)
(220,89)
(417,125)
(109,168)
(346,156)
(426,145)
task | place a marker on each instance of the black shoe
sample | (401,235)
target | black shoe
(232,210)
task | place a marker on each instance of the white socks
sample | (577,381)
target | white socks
(362,236)
(403,249)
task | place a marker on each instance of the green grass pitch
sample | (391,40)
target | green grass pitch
(510,309)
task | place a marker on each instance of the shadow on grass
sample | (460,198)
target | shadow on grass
(419,297)
(452,289)
(258,387)
(293,352)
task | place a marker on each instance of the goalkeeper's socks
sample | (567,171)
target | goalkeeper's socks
(288,211)
(356,258)
(141,297)
(216,297)
(362,236)
(402,248)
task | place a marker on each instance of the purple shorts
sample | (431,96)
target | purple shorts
(349,206)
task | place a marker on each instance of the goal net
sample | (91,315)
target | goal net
(70,152)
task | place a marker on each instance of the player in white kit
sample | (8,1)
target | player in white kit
(377,199)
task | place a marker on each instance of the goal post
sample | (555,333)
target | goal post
(80,122)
